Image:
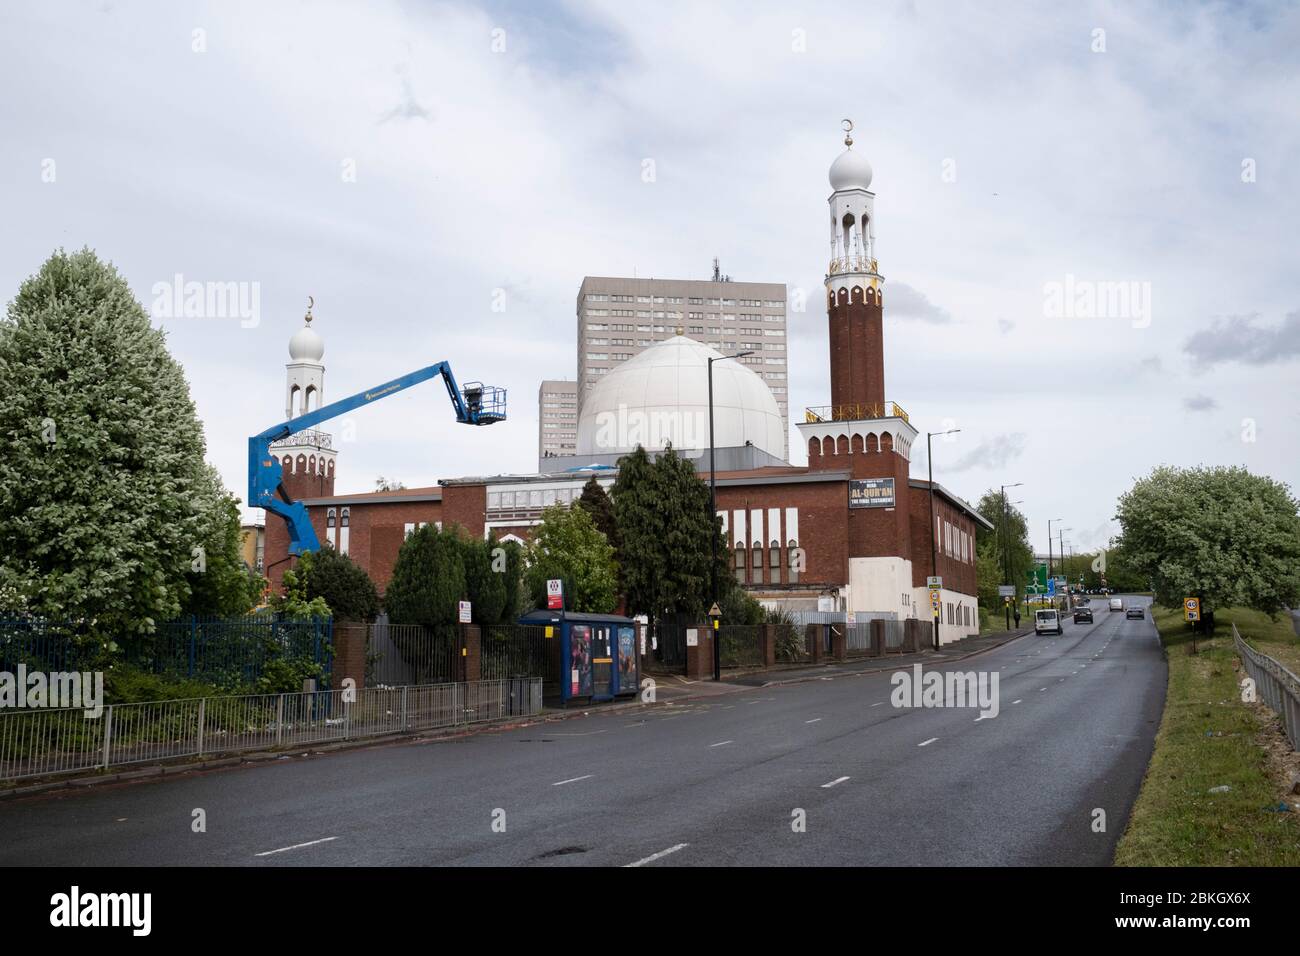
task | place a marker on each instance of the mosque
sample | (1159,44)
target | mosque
(849,531)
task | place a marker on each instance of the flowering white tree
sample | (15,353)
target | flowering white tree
(106,506)
(1221,534)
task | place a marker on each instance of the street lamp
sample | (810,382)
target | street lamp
(713,515)
(934,535)
(1006,554)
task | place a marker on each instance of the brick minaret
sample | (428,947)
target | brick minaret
(860,432)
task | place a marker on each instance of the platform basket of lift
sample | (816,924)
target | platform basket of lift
(485,403)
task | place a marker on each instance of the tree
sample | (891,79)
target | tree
(1004,555)
(105,503)
(293,602)
(510,557)
(567,545)
(388,484)
(342,583)
(485,586)
(428,578)
(219,583)
(1221,534)
(596,502)
(664,521)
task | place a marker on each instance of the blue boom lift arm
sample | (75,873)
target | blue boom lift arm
(477,404)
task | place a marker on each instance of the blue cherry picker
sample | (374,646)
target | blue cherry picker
(476,404)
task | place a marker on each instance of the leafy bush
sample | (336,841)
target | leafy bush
(343,584)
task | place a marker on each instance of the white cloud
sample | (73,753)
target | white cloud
(522,171)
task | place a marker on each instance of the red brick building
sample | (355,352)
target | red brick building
(851,529)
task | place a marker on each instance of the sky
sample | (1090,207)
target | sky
(1086,213)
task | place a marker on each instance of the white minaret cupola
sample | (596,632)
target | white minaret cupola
(307,457)
(304,389)
(853,215)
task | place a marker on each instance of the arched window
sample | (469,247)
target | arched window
(330,515)
(774,560)
(740,563)
(309,399)
(792,558)
(295,398)
(347,514)
(757,564)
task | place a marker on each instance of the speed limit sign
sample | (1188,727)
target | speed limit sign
(1192,609)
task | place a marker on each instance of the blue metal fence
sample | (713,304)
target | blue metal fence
(227,652)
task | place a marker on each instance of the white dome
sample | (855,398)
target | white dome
(662,395)
(306,346)
(850,171)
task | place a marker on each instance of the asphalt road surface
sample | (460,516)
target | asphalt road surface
(716,782)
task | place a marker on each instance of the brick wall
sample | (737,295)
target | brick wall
(823,531)
(957,575)
(857,348)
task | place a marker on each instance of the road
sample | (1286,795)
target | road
(715,782)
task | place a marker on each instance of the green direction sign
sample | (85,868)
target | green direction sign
(1038,577)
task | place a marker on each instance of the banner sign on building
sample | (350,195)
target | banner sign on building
(871,493)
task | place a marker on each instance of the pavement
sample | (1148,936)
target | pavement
(816,772)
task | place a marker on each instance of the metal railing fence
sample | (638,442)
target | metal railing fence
(399,654)
(227,652)
(740,645)
(518,650)
(38,743)
(1275,685)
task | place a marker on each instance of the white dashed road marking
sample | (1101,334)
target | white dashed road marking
(560,783)
(296,846)
(926,743)
(657,856)
(813,721)
(837,780)
(722,743)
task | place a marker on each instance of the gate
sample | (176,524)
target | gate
(671,635)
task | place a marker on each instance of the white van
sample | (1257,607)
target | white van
(1047,622)
(1117,604)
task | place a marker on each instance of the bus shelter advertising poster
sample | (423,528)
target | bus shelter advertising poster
(579,660)
(626,658)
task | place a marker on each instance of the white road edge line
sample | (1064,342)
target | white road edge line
(926,743)
(657,856)
(296,846)
(837,780)
(560,783)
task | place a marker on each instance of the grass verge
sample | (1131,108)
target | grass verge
(1207,739)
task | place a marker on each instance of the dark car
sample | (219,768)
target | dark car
(1134,611)
(1083,615)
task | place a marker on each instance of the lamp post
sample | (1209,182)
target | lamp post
(1006,553)
(713,517)
(934,534)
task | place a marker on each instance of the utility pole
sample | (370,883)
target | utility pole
(934,532)
(1005,544)
(713,513)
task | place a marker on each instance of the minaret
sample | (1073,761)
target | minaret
(307,457)
(860,432)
